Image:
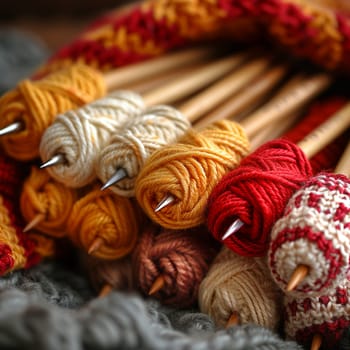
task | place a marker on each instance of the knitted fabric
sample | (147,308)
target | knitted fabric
(189,170)
(79,135)
(154,128)
(326,315)
(256,193)
(242,285)
(182,258)
(314,231)
(153,27)
(49,308)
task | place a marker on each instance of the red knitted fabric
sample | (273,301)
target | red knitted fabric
(256,193)
(181,257)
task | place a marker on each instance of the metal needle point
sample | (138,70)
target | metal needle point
(164,202)
(55,160)
(9,129)
(118,175)
(235,226)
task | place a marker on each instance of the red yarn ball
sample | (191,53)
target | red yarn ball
(256,193)
(181,257)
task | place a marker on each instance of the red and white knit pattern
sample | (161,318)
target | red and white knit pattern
(327,315)
(314,231)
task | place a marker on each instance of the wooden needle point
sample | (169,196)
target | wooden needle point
(106,289)
(297,277)
(235,226)
(34,222)
(95,245)
(316,342)
(157,285)
(233,320)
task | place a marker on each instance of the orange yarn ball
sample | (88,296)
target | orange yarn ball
(188,171)
(103,215)
(43,195)
(36,104)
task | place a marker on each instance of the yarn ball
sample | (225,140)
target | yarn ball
(114,273)
(43,195)
(327,315)
(256,193)
(79,135)
(243,285)
(36,104)
(314,231)
(104,215)
(156,127)
(45,246)
(182,258)
(188,171)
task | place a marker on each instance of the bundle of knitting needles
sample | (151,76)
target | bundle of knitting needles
(179,178)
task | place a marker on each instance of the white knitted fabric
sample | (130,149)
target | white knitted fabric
(156,127)
(314,231)
(81,134)
(327,315)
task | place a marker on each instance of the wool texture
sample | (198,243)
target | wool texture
(114,219)
(326,315)
(242,285)
(116,274)
(256,193)
(182,258)
(188,170)
(152,27)
(41,194)
(80,135)
(314,231)
(154,128)
(36,104)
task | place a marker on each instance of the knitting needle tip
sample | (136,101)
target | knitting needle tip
(316,342)
(34,222)
(300,272)
(120,174)
(157,285)
(12,128)
(164,203)
(55,160)
(233,320)
(235,226)
(95,245)
(106,289)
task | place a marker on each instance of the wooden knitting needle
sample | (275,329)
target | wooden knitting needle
(211,97)
(310,145)
(298,92)
(142,70)
(157,285)
(233,320)
(316,342)
(182,87)
(301,271)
